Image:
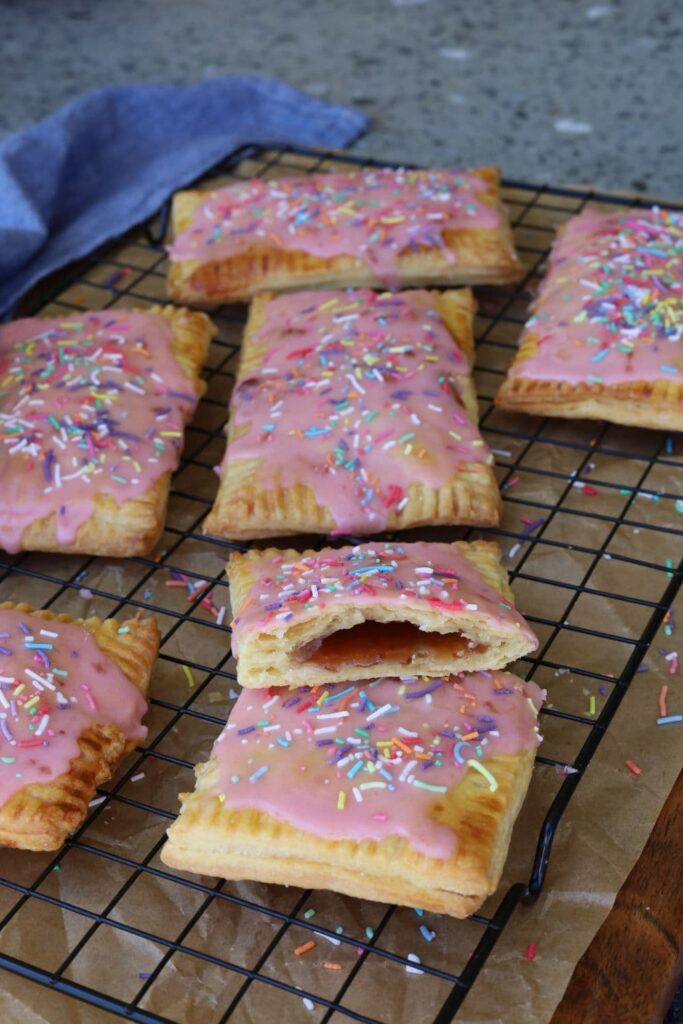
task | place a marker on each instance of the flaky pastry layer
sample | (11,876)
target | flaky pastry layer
(657,405)
(42,816)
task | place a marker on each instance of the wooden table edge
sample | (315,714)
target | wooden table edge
(633,966)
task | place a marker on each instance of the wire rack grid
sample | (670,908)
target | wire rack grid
(591,539)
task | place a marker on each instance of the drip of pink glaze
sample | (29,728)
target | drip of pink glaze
(305,772)
(357,396)
(373,215)
(77,688)
(89,404)
(610,310)
(411,577)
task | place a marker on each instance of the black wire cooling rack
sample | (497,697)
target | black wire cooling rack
(591,539)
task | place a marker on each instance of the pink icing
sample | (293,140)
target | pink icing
(291,754)
(358,396)
(410,576)
(51,693)
(609,310)
(91,403)
(374,215)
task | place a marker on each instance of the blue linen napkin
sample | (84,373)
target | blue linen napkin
(109,159)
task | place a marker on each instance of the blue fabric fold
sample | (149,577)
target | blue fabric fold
(109,159)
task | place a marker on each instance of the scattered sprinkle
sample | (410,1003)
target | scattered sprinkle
(414,959)
(662,701)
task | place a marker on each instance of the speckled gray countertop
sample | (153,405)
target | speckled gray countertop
(552,90)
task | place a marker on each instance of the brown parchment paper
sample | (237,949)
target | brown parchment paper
(610,534)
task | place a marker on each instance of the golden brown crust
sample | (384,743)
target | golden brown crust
(135,526)
(269,658)
(210,838)
(41,816)
(192,335)
(116,531)
(482,256)
(245,509)
(655,404)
